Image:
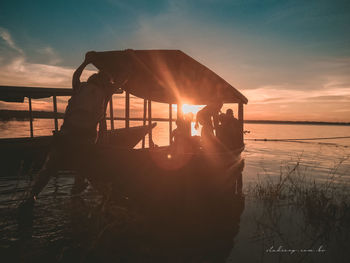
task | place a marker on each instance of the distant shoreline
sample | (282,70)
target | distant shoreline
(22,115)
(298,122)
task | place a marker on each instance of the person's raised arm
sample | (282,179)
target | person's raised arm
(196,126)
(76,75)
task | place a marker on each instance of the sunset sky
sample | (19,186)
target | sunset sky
(291,59)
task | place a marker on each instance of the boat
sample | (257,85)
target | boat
(29,153)
(24,154)
(162,174)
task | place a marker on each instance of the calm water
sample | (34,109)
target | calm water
(318,160)
(318,157)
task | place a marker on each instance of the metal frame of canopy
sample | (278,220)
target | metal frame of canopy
(161,75)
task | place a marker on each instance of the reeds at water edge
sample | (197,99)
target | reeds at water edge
(294,210)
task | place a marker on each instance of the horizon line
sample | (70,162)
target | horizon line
(6,115)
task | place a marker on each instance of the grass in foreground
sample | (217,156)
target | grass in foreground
(294,210)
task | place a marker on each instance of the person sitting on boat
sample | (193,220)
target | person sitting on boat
(181,136)
(204,117)
(85,110)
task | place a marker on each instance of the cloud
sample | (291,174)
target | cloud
(273,94)
(50,53)
(5,35)
(331,98)
(19,72)
(15,70)
(285,104)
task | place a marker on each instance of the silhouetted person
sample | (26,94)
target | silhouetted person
(220,131)
(206,117)
(188,118)
(179,132)
(182,133)
(86,108)
(230,128)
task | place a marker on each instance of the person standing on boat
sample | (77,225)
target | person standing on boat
(236,127)
(85,110)
(205,116)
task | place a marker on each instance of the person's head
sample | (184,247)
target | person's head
(103,80)
(189,116)
(229,112)
(179,122)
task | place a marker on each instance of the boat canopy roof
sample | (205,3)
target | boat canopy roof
(167,76)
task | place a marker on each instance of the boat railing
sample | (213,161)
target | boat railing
(17,94)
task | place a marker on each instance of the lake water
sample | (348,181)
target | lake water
(320,157)
(318,160)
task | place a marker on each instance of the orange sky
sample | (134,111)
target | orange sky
(319,99)
(294,111)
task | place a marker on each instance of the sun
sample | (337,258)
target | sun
(187,108)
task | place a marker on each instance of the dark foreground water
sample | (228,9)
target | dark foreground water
(305,220)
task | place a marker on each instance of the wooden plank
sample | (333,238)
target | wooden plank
(240,119)
(170,121)
(150,140)
(111,113)
(179,110)
(127,109)
(55,111)
(30,117)
(240,112)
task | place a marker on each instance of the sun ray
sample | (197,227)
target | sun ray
(187,108)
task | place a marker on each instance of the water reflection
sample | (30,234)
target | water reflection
(93,228)
(203,231)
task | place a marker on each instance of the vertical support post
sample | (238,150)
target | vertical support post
(179,110)
(111,113)
(144,120)
(150,141)
(239,184)
(127,109)
(31,117)
(170,121)
(55,111)
(240,119)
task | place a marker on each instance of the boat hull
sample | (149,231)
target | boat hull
(21,155)
(160,176)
